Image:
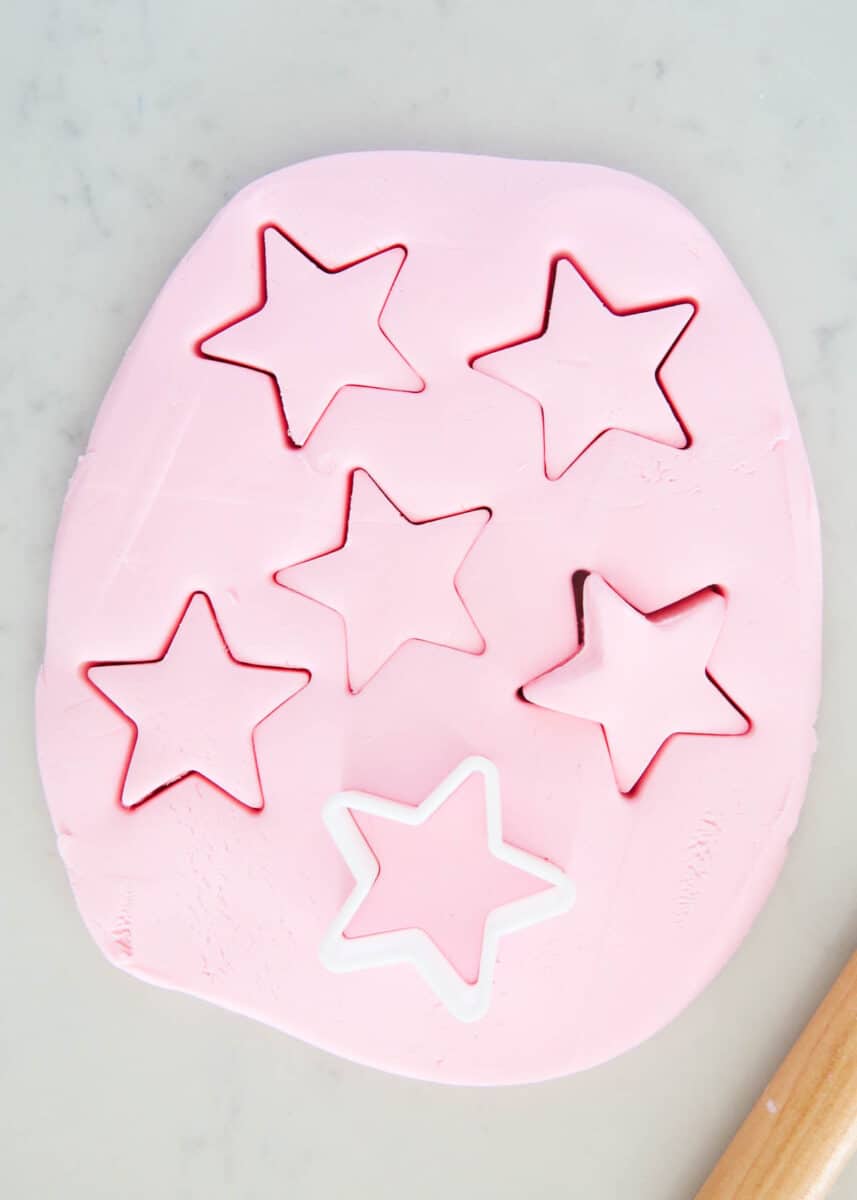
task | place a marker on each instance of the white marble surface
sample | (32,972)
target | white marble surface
(124,127)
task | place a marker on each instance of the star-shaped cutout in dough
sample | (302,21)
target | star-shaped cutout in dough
(392,580)
(643,678)
(317,331)
(593,369)
(195,710)
(437,890)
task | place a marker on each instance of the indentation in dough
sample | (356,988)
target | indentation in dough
(643,677)
(700,855)
(316,330)
(392,579)
(194,710)
(593,367)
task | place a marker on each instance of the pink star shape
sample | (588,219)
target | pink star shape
(392,580)
(436,886)
(592,369)
(195,710)
(440,877)
(641,677)
(317,331)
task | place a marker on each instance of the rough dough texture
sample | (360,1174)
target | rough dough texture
(433,639)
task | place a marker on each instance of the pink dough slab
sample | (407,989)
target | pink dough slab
(433,639)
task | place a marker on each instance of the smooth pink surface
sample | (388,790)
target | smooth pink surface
(189,485)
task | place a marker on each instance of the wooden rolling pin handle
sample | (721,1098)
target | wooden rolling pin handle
(803,1128)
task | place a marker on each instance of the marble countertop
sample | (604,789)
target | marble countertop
(125,126)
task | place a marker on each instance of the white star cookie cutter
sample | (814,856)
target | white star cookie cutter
(465,1001)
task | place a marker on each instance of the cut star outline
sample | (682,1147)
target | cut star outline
(255,309)
(89,667)
(542,330)
(464,1001)
(685,604)
(282,572)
